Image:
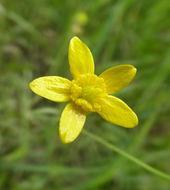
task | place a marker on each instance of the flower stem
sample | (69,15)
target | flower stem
(127,156)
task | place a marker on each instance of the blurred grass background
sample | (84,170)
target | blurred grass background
(34,38)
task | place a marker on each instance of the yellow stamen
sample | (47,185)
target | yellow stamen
(86,92)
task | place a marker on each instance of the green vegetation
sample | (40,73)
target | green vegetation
(34,38)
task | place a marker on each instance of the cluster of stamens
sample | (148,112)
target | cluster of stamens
(86,92)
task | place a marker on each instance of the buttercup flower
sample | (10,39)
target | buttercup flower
(87,92)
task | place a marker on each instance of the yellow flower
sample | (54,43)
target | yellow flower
(87,92)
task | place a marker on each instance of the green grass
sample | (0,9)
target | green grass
(34,38)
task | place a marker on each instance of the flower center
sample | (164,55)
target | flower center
(86,92)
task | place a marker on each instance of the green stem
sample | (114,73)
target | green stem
(128,156)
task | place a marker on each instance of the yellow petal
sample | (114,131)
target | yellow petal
(80,58)
(118,77)
(54,88)
(116,111)
(71,123)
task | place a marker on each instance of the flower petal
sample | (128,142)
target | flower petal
(118,77)
(116,111)
(54,88)
(80,58)
(71,123)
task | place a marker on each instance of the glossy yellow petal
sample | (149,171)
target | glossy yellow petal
(80,58)
(54,88)
(118,77)
(116,111)
(71,123)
